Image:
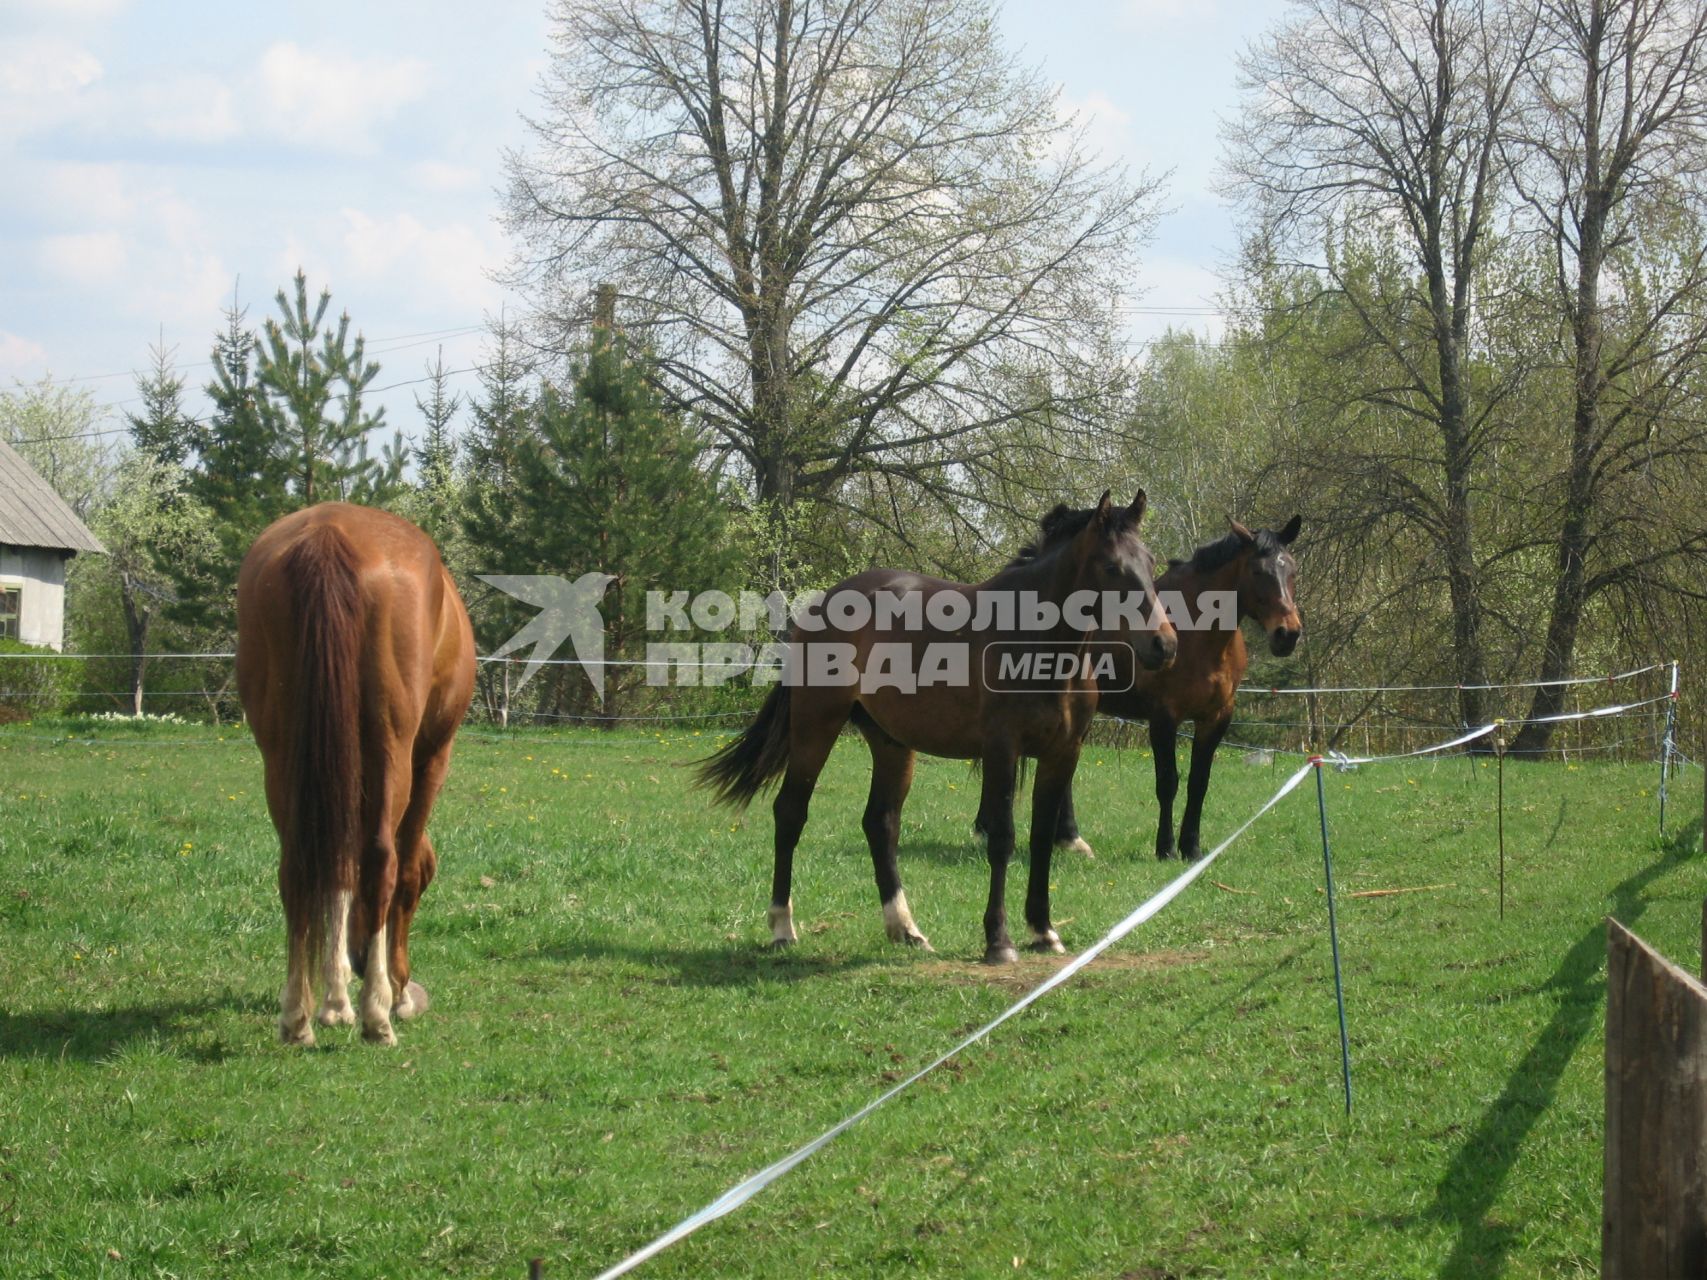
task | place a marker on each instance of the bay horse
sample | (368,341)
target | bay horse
(1044,718)
(1258,569)
(355,664)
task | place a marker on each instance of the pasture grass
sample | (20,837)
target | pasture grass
(610,1047)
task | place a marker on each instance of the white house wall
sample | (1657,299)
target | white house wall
(41,574)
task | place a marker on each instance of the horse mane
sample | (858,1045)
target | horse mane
(1215,555)
(1059,525)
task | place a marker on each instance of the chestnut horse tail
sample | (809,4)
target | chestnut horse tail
(323,781)
(740,770)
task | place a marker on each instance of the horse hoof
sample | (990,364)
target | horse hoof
(1075,845)
(1164,855)
(917,939)
(414,1003)
(301,1034)
(1047,944)
(1002,953)
(379,1033)
(779,944)
(336,1015)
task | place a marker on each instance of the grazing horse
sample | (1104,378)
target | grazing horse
(355,663)
(960,717)
(1201,684)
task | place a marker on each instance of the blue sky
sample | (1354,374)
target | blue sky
(160,155)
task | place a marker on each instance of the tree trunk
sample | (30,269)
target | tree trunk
(136,631)
(1571,552)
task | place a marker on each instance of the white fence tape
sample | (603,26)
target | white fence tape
(742,1192)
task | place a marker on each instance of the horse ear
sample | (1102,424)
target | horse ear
(1290,532)
(1245,535)
(1135,513)
(1105,509)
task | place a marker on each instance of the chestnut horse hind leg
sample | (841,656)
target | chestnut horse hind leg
(416,866)
(891,778)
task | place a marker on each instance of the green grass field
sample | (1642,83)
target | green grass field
(609,1046)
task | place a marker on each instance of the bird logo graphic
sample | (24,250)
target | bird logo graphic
(567,611)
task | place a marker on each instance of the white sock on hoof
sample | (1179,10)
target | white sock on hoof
(335,1008)
(782,925)
(1046,940)
(1075,845)
(376,993)
(898,922)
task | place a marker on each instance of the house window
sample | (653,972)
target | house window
(11,605)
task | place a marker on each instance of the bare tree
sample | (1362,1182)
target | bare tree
(1388,114)
(1609,161)
(857,235)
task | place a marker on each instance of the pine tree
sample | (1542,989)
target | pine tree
(311,404)
(438,479)
(163,430)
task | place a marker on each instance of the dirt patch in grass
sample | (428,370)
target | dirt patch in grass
(1033,969)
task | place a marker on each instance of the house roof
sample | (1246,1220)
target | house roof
(32,514)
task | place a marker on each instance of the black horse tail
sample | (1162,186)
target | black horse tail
(742,768)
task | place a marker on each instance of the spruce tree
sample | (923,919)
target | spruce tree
(163,430)
(612,482)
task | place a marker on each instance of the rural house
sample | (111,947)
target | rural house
(39,532)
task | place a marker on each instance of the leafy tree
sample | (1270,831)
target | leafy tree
(856,235)
(148,524)
(57,430)
(1610,161)
(1378,128)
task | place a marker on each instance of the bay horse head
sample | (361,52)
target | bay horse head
(1110,559)
(1266,576)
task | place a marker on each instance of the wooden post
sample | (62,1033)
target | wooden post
(1654,1219)
(536,1268)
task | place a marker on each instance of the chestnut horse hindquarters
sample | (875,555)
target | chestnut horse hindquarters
(355,663)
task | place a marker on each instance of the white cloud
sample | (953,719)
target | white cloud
(1106,129)
(47,65)
(331,100)
(436,175)
(86,258)
(448,263)
(20,353)
(1148,13)
(191,108)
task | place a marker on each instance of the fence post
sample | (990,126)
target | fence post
(1666,747)
(1654,1218)
(1333,932)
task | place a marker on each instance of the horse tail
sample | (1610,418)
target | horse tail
(321,843)
(742,768)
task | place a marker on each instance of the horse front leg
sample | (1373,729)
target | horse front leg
(1162,742)
(1203,745)
(996,818)
(1054,779)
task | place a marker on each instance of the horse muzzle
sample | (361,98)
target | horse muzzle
(1156,651)
(1283,640)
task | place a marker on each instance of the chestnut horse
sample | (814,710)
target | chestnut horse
(1257,570)
(965,716)
(355,663)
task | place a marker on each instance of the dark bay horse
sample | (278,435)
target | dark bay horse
(355,663)
(1257,571)
(970,713)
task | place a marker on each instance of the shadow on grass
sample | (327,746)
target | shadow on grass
(187,1027)
(1478,1170)
(734,964)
